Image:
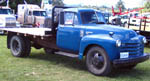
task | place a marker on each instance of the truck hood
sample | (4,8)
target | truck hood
(118,32)
(6,15)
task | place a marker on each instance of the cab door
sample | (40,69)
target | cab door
(30,18)
(69,32)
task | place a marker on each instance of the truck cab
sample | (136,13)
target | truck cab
(84,31)
(29,14)
(47,6)
(134,20)
(7,17)
(75,24)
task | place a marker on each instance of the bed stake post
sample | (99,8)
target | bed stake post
(25,34)
(34,36)
(17,33)
(42,37)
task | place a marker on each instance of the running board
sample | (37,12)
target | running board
(148,54)
(67,54)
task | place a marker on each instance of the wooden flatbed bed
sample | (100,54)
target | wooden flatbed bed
(30,31)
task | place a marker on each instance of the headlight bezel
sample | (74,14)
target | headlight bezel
(118,43)
(144,40)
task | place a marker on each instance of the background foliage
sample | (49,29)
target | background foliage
(120,4)
(147,6)
(13,3)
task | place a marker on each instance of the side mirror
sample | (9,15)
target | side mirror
(12,11)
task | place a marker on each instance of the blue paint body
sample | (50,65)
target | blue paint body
(69,38)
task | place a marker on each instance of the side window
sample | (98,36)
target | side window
(76,22)
(68,18)
(93,17)
(62,18)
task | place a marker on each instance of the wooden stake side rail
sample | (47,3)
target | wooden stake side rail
(30,31)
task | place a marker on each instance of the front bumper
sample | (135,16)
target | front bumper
(130,61)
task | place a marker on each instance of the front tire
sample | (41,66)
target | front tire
(97,61)
(20,46)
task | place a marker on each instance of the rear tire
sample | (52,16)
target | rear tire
(20,46)
(28,46)
(97,61)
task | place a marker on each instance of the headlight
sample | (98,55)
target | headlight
(17,24)
(144,40)
(1,21)
(118,43)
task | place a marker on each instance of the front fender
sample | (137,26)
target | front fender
(104,41)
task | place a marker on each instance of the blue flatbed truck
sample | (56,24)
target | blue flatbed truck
(82,32)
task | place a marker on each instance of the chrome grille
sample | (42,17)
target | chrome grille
(10,22)
(134,49)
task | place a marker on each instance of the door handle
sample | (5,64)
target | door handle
(87,33)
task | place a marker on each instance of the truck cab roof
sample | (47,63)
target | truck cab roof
(30,6)
(4,7)
(78,9)
(37,10)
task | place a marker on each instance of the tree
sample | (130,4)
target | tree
(120,4)
(14,3)
(147,6)
(58,3)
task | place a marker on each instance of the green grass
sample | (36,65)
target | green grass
(41,67)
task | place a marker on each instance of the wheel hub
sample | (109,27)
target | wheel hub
(15,46)
(98,60)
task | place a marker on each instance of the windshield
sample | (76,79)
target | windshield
(6,11)
(50,1)
(39,13)
(106,14)
(124,17)
(47,1)
(92,17)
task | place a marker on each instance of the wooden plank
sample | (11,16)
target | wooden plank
(147,28)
